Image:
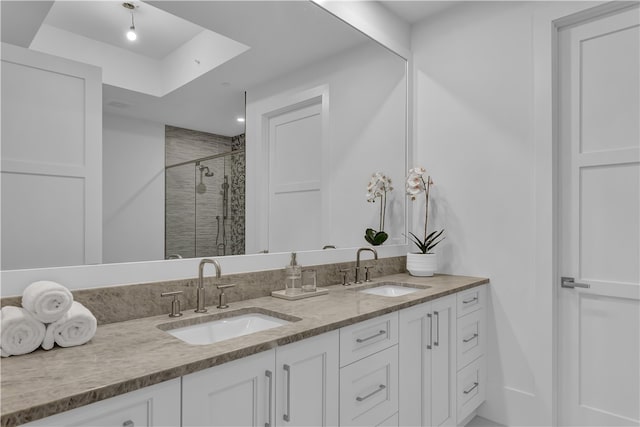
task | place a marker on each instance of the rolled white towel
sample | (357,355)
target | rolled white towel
(21,333)
(76,327)
(46,300)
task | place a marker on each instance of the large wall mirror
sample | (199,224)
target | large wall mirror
(264,141)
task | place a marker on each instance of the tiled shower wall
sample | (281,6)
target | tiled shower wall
(236,222)
(193,219)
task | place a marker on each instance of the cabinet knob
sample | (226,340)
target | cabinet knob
(128,423)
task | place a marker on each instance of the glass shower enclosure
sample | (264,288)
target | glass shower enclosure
(205,206)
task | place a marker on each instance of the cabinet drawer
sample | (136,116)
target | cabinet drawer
(157,405)
(471,300)
(471,387)
(471,337)
(369,389)
(365,338)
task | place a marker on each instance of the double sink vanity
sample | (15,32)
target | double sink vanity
(399,350)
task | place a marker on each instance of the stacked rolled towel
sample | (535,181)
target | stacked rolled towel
(21,332)
(47,301)
(48,316)
(75,327)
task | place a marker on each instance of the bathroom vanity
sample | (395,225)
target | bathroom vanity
(346,358)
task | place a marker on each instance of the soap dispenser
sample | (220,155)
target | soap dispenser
(293,276)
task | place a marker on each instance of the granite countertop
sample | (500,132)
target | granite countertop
(129,355)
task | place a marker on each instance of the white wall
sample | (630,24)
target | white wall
(133,189)
(365,133)
(474,88)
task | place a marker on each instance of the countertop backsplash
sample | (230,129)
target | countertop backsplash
(120,303)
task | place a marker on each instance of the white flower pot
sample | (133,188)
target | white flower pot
(419,264)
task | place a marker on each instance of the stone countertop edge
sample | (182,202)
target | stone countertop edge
(134,354)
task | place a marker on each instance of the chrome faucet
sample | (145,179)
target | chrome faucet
(375,255)
(200,306)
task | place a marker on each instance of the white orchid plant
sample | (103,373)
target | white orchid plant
(419,181)
(379,186)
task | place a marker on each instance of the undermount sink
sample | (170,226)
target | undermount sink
(226,326)
(386,289)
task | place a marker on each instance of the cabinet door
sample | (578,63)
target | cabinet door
(157,405)
(428,364)
(238,393)
(415,335)
(443,362)
(307,382)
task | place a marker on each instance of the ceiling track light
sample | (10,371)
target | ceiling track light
(131,34)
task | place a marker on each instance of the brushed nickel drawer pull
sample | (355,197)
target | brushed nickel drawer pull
(269,375)
(471,389)
(361,340)
(470,338)
(287,415)
(469,301)
(379,389)
(436,343)
(430,345)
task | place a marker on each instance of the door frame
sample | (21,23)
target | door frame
(546,26)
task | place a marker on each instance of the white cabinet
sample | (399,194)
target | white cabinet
(471,387)
(421,366)
(369,389)
(307,382)
(238,393)
(157,405)
(293,385)
(427,345)
(369,372)
(362,339)
(470,347)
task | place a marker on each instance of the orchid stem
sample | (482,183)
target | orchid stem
(427,185)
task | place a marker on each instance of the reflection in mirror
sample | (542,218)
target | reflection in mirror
(205,196)
(176,175)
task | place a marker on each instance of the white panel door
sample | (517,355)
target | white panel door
(307,382)
(599,325)
(295,180)
(51,161)
(238,393)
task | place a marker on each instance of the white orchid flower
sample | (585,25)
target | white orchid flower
(379,185)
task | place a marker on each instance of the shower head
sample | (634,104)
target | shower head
(201,188)
(206,171)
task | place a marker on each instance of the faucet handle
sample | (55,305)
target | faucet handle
(345,272)
(175,304)
(366,273)
(222,301)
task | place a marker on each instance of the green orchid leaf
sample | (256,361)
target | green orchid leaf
(369,235)
(380,238)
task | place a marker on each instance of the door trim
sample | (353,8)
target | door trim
(546,25)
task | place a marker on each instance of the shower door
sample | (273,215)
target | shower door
(204,207)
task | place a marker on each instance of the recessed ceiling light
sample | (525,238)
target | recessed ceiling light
(240,119)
